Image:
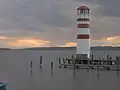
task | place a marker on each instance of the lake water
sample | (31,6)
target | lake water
(15,69)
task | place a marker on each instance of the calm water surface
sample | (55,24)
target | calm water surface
(14,69)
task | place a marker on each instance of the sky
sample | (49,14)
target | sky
(44,23)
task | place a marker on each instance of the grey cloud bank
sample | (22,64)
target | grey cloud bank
(44,18)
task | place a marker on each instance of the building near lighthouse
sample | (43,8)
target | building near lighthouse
(83,32)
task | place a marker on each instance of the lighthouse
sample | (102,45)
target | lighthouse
(83,32)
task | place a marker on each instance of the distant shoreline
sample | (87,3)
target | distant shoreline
(64,48)
(71,48)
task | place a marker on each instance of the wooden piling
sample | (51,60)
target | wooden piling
(92,57)
(59,60)
(40,61)
(108,57)
(74,66)
(51,67)
(30,64)
(64,62)
(118,62)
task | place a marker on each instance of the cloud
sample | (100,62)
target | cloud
(55,20)
(107,41)
(109,8)
(69,44)
(27,42)
(104,7)
(3,37)
(22,42)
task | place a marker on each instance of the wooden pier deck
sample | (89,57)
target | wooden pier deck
(113,65)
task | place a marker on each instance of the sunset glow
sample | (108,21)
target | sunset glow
(3,37)
(69,44)
(24,42)
(30,42)
(110,38)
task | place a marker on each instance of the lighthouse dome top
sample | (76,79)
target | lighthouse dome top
(83,8)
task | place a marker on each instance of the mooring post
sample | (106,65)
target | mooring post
(51,67)
(118,59)
(98,65)
(103,62)
(31,68)
(108,57)
(31,64)
(64,62)
(97,70)
(92,57)
(117,63)
(74,66)
(72,57)
(59,60)
(40,61)
(100,60)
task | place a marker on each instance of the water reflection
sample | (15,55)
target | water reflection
(31,73)
(118,73)
(98,75)
(74,74)
(16,69)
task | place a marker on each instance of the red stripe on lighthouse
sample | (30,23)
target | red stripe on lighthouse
(83,36)
(82,25)
(83,19)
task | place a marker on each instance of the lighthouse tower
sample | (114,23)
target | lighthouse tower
(83,32)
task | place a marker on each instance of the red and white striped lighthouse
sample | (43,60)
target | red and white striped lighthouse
(83,32)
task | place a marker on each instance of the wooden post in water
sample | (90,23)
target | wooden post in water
(74,65)
(98,70)
(59,60)
(31,68)
(98,65)
(92,57)
(64,62)
(72,56)
(118,62)
(51,67)
(40,61)
(103,62)
(108,57)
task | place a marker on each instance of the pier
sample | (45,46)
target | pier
(90,64)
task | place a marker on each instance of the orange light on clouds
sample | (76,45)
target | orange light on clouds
(30,42)
(114,39)
(3,37)
(69,44)
(21,42)
(108,41)
(110,38)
